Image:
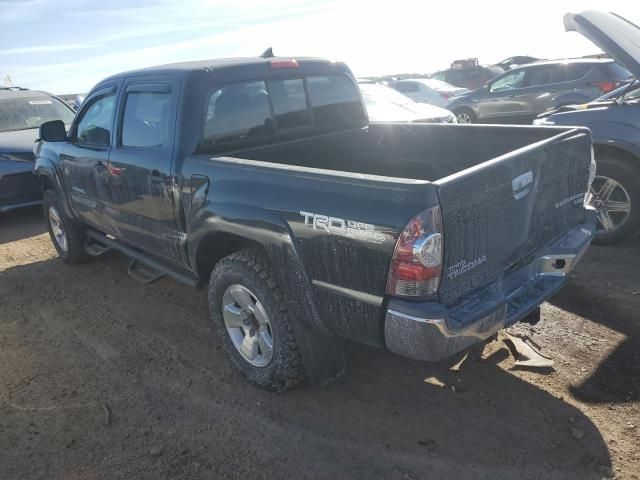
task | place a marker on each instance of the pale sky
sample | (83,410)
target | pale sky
(68,46)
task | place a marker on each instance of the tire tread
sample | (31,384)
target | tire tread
(255,261)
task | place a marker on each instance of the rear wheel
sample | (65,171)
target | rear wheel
(68,235)
(615,194)
(464,115)
(249,312)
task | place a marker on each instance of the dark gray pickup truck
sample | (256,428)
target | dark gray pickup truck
(262,177)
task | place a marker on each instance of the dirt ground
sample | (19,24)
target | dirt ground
(101,377)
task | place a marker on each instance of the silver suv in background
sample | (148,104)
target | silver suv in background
(427,90)
(522,93)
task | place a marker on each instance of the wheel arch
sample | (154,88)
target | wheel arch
(216,245)
(627,162)
(464,108)
(51,179)
(236,227)
(616,150)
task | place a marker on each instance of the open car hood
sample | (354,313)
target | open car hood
(616,36)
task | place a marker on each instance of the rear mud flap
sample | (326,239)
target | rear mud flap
(322,353)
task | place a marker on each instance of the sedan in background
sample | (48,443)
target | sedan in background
(384,104)
(521,94)
(427,90)
(21,113)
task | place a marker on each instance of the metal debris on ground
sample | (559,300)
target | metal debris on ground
(435,382)
(456,367)
(526,352)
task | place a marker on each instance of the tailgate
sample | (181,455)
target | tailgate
(498,213)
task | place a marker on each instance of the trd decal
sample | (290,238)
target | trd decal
(345,228)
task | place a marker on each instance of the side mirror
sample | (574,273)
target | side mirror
(53,131)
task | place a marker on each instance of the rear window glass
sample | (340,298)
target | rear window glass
(615,71)
(243,110)
(334,100)
(238,111)
(289,103)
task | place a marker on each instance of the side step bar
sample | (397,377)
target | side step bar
(95,249)
(142,274)
(140,257)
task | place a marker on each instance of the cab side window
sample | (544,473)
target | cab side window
(94,126)
(145,119)
(539,76)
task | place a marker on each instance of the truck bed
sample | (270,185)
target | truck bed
(504,191)
(415,151)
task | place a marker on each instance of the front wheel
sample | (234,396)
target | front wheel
(615,195)
(249,312)
(68,235)
(464,115)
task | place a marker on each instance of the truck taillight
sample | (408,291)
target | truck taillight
(275,64)
(416,265)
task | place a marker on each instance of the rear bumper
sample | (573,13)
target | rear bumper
(430,331)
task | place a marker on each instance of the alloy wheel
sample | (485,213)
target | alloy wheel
(248,325)
(612,203)
(57,227)
(464,117)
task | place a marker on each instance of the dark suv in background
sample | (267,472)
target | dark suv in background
(519,95)
(470,77)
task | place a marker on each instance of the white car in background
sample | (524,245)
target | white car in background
(384,104)
(427,90)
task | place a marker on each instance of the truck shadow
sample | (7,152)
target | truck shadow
(82,341)
(605,288)
(22,223)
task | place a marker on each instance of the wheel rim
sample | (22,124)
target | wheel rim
(248,325)
(464,117)
(612,203)
(57,228)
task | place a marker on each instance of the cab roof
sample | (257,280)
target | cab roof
(218,64)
